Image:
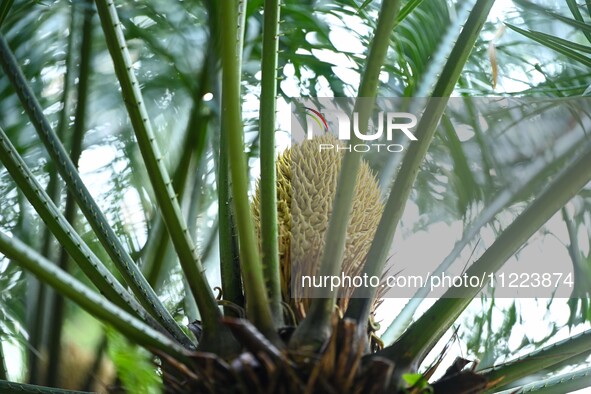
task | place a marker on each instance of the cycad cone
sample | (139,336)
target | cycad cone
(306,185)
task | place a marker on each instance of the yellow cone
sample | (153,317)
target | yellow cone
(303,219)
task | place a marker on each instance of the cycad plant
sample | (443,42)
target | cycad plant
(253,333)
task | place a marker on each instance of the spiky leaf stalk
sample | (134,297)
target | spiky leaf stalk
(269,226)
(228,233)
(257,301)
(315,328)
(506,373)
(229,258)
(87,299)
(89,207)
(538,173)
(419,339)
(359,308)
(101,277)
(563,383)
(439,59)
(158,245)
(162,185)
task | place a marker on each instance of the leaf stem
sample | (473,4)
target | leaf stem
(217,338)
(315,328)
(89,300)
(416,342)
(536,175)
(268,188)
(89,207)
(360,304)
(257,302)
(232,288)
(94,269)
(540,359)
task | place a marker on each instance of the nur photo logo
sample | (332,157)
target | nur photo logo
(386,131)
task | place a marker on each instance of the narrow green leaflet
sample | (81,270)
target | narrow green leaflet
(553,43)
